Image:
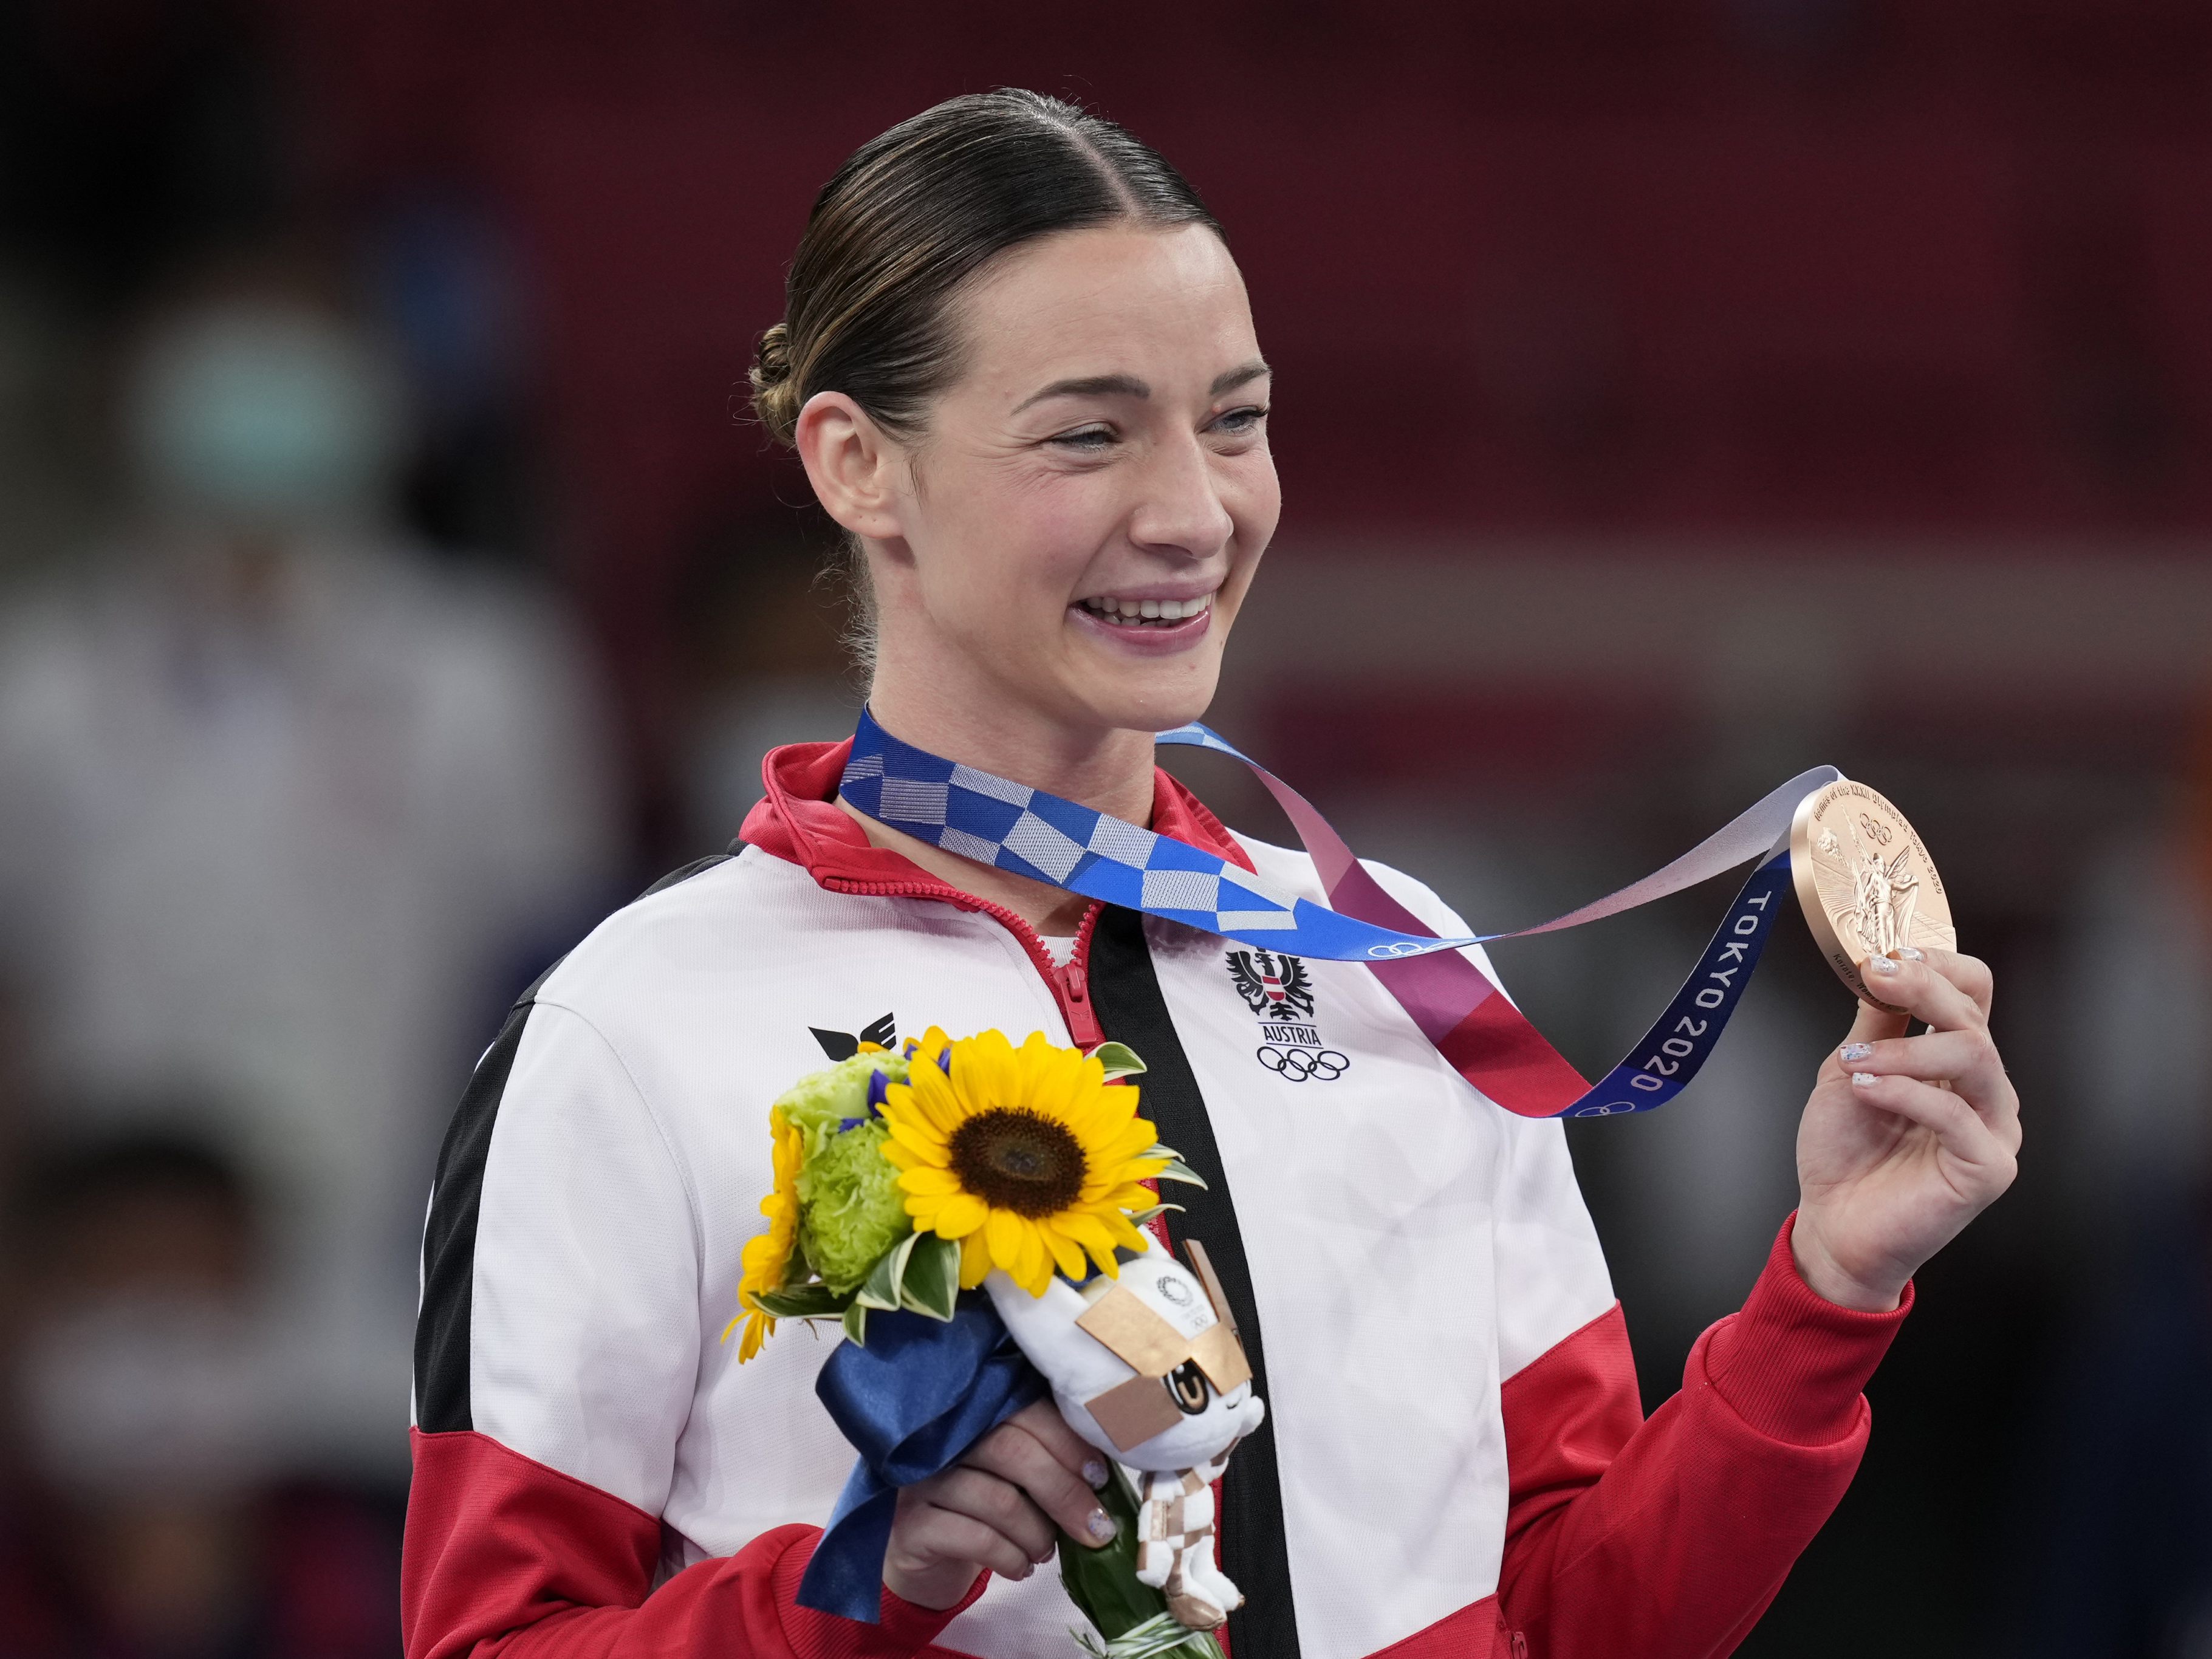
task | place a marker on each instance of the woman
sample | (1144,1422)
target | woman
(1019,367)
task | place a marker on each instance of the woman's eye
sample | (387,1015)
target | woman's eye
(1240,421)
(1084,438)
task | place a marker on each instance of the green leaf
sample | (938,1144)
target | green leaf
(1103,1582)
(1146,1218)
(1119,1059)
(802,1302)
(882,1288)
(1179,1171)
(1161,1637)
(932,1282)
(856,1324)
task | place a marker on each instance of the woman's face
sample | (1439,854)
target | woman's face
(1080,522)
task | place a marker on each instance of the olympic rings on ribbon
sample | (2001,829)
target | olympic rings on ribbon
(1398,948)
(1610,1108)
(1299,1064)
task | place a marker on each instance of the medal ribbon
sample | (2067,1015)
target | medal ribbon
(1028,832)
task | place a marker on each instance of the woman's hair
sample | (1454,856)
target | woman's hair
(916,212)
(911,216)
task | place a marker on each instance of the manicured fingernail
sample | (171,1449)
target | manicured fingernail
(1102,1526)
(1864,1080)
(1855,1050)
(1882,965)
(1912,953)
(1095,1471)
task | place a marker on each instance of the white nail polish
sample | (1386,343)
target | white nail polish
(1094,1473)
(1881,965)
(1855,1051)
(1864,1080)
(1912,953)
(1101,1525)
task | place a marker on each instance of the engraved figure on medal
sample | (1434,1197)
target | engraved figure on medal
(1865,881)
(1872,897)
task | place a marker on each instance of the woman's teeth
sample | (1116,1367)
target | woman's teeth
(1136,613)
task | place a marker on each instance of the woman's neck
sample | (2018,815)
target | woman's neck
(1107,769)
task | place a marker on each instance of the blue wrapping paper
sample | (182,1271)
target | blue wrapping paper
(912,1402)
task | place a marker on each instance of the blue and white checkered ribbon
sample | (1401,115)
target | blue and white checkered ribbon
(1046,838)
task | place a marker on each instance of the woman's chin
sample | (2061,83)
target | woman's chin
(1148,702)
(1138,683)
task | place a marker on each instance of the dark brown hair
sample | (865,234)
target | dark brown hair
(916,212)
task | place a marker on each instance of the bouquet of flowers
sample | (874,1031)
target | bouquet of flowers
(904,1177)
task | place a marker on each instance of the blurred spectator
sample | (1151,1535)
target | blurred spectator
(764,664)
(285,808)
(2118,1559)
(146,1516)
(2117,1556)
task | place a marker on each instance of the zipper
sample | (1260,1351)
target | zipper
(1070,985)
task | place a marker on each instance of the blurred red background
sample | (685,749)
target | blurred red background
(1671,394)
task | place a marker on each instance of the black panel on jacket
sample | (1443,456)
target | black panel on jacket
(449,1240)
(1126,991)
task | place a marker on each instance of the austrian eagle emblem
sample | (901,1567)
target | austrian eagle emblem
(1273,986)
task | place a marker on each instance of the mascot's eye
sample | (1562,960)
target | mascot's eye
(1189,1386)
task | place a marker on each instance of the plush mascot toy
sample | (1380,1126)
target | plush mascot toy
(1148,1369)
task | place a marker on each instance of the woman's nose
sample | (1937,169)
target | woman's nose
(1182,511)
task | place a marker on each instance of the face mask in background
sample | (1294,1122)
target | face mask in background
(163,1398)
(266,414)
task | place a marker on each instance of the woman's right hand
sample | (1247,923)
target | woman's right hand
(997,1509)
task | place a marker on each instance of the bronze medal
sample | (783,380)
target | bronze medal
(1866,882)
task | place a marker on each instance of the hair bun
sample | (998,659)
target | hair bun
(776,398)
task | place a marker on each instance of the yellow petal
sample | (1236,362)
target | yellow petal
(975,1259)
(923,1207)
(1126,1237)
(1066,1254)
(962,1214)
(1125,1198)
(1006,1229)
(1136,1138)
(1091,1232)
(925,1179)
(920,1141)
(1036,1262)
(756,1330)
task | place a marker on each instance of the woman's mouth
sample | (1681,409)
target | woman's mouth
(1148,616)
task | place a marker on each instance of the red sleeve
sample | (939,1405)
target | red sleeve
(1667,1539)
(506,1557)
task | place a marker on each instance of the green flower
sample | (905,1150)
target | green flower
(851,1209)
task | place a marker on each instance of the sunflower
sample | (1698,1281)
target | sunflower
(766,1259)
(1024,1155)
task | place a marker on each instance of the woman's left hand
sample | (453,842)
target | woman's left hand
(1890,1166)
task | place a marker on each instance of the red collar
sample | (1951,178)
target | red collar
(798,820)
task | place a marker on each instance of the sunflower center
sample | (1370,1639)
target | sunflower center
(1019,1160)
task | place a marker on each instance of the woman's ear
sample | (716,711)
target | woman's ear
(855,466)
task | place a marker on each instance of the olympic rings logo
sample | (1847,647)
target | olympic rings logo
(1299,1064)
(1396,948)
(1610,1108)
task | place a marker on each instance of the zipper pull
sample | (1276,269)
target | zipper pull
(1083,1023)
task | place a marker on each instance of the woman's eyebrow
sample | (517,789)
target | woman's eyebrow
(1090,385)
(1237,377)
(1128,386)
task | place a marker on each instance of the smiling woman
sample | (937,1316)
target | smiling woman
(1020,368)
